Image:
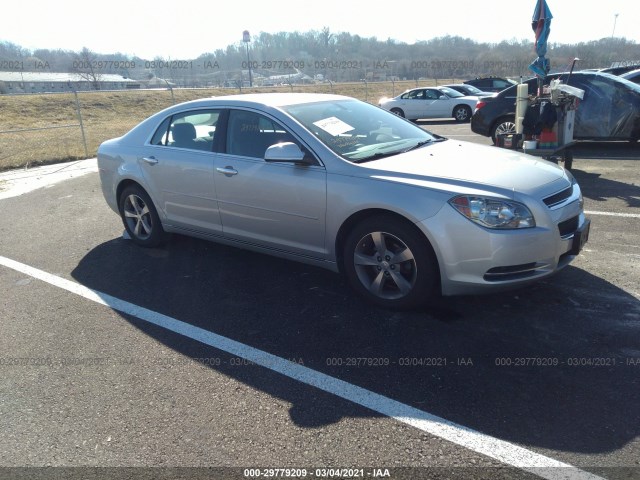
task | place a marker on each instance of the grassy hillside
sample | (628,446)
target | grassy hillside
(28,136)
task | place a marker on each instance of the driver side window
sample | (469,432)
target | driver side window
(433,94)
(249,134)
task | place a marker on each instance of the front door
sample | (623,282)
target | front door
(277,205)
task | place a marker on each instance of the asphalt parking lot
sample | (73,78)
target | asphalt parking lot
(200,355)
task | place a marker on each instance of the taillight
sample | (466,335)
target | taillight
(480,104)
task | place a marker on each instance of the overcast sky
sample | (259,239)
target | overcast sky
(183,29)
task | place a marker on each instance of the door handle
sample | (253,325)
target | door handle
(228,171)
(150,160)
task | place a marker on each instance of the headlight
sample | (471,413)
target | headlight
(493,213)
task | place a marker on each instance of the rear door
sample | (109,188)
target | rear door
(178,168)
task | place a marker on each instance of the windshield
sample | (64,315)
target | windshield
(451,92)
(358,131)
(472,90)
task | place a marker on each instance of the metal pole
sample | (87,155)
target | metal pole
(84,139)
(246,38)
(249,63)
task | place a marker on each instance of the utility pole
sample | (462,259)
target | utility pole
(246,38)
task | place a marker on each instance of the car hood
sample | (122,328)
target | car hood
(462,166)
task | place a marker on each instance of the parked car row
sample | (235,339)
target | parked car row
(457,101)
(610,109)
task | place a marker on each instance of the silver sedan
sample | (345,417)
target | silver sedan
(431,102)
(335,182)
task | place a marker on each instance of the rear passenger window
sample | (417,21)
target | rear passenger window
(159,138)
(194,130)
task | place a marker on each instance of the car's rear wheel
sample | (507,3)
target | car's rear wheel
(397,111)
(462,113)
(389,262)
(504,125)
(140,217)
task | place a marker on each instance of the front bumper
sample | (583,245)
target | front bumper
(473,259)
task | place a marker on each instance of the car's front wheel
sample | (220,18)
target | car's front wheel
(504,125)
(462,113)
(397,111)
(140,217)
(389,262)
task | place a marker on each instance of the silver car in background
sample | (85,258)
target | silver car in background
(431,102)
(342,184)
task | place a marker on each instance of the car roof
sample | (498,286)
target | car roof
(419,88)
(281,99)
(490,78)
(620,69)
(631,74)
(262,99)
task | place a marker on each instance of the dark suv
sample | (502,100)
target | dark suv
(610,109)
(491,84)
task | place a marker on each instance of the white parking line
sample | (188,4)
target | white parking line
(492,447)
(613,214)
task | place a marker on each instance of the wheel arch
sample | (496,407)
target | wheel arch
(362,215)
(127,182)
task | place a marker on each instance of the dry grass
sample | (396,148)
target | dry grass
(110,114)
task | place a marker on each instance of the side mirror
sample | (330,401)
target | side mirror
(287,152)
(442,97)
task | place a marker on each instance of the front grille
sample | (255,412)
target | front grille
(559,197)
(567,227)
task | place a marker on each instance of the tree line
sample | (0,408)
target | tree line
(327,56)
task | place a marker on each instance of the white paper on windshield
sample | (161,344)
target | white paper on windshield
(333,125)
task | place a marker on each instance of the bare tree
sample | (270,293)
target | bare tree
(85,65)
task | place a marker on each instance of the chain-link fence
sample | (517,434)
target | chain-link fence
(46,128)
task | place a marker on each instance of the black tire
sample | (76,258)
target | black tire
(140,217)
(398,111)
(503,125)
(462,113)
(403,276)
